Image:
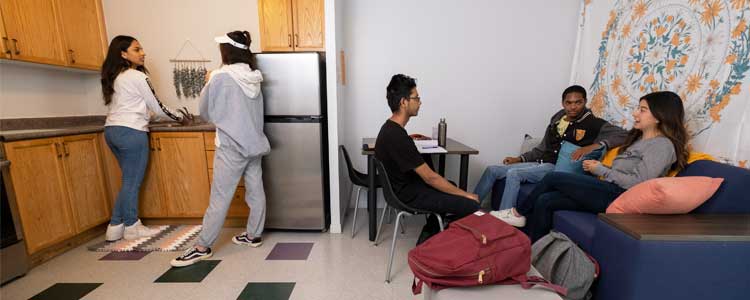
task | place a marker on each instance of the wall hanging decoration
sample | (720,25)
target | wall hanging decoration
(188,75)
(697,49)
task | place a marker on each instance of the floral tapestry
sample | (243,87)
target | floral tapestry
(699,49)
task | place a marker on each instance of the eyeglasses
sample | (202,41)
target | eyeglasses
(419,99)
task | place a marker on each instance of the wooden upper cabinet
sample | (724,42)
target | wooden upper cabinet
(276,25)
(31,26)
(4,41)
(38,178)
(85,180)
(82,26)
(292,25)
(309,25)
(183,172)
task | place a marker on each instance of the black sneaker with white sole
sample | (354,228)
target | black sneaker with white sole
(191,256)
(244,239)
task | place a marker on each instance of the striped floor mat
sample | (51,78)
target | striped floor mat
(170,238)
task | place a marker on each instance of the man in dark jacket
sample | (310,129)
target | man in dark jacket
(573,124)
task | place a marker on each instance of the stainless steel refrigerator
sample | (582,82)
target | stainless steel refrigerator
(295,173)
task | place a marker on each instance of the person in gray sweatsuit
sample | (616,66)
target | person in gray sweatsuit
(232,100)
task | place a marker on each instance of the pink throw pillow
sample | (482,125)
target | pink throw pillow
(666,195)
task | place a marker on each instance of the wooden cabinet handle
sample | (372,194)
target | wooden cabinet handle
(65,149)
(57,150)
(289,37)
(72,56)
(158,144)
(296,40)
(7,47)
(15,46)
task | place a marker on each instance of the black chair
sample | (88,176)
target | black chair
(403,210)
(360,180)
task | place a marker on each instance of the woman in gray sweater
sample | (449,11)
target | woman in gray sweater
(656,144)
(232,100)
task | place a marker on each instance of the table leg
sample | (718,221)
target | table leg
(464,172)
(441,164)
(372,203)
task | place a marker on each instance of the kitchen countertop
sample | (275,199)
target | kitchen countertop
(29,134)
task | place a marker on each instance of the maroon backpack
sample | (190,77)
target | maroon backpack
(478,249)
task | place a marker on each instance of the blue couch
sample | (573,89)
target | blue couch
(634,269)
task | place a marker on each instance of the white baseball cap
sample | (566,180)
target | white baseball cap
(225,39)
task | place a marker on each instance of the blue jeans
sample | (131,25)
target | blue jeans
(565,191)
(130,147)
(514,175)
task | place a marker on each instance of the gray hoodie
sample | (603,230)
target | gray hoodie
(227,103)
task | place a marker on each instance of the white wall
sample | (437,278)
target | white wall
(334,90)
(494,69)
(34,91)
(163,26)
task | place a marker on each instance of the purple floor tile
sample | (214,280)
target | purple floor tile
(133,255)
(290,251)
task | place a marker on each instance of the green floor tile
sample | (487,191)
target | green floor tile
(193,273)
(267,291)
(66,291)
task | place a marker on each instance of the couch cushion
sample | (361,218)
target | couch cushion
(578,226)
(731,197)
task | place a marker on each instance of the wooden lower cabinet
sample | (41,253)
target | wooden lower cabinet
(85,181)
(38,176)
(183,172)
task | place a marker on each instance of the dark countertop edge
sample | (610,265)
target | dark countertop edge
(94,129)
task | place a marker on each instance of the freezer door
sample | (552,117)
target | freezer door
(293,177)
(291,83)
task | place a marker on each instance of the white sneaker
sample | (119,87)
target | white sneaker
(114,232)
(507,216)
(137,231)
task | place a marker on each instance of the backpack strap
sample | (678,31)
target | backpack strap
(528,282)
(416,286)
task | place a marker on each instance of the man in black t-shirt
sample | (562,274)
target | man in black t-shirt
(413,181)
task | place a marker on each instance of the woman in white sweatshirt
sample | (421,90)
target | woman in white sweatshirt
(232,101)
(132,104)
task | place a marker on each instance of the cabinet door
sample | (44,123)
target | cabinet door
(183,172)
(85,181)
(152,203)
(309,25)
(83,31)
(276,25)
(36,170)
(32,28)
(4,41)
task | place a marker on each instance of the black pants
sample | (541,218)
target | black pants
(565,191)
(429,199)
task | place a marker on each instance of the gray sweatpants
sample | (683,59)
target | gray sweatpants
(229,166)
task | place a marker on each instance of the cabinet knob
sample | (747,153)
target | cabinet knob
(65,149)
(15,45)
(296,40)
(72,56)
(289,37)
(57,150)
(7,47)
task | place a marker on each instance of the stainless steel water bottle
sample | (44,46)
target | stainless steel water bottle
(442,132)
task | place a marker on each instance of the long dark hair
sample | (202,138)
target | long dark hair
(232,55)
(114,64)
(667,108)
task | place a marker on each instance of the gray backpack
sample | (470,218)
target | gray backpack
(560,261)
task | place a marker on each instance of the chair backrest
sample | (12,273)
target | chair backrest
(352,173)
(390,196)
